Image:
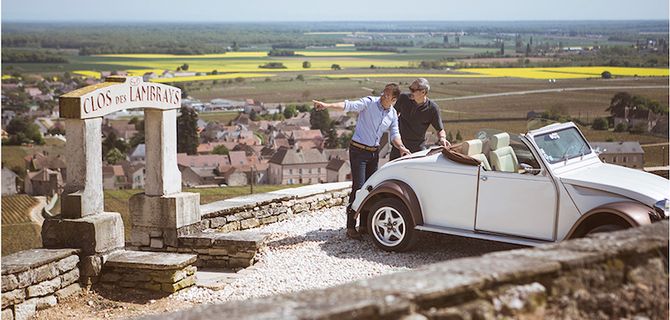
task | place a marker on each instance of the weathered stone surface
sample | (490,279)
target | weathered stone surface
(26,278)
(92,234)
(9,282)
(217,222)
(42,303)
(218,251)
(174,287)
(200,240)
(46,272)
(67,264)
(268,220)
(90,266)
(44,288)
(140,236)
(82,195)
(229,227)
(245,238)
(169,211)
(162,174)
(24,311)
(13,297)
(249,223)
(70,277)
(7,313)
(33,258)
(150,260)
(156,243)
(68,291)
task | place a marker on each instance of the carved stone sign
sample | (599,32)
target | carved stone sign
(115,94)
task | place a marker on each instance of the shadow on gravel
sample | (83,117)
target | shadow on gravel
(430,248)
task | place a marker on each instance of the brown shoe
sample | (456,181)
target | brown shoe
(353,234)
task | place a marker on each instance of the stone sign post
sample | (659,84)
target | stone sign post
(156,214)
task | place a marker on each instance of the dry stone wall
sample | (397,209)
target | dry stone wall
(607,276)
(220,238)
(37,279)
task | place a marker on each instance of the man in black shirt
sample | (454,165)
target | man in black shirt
(415,113)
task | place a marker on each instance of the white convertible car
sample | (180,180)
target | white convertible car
(543,186)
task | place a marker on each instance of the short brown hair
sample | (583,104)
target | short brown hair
(395,89)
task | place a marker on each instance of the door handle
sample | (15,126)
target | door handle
(484,178)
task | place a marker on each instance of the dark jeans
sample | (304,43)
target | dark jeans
(363,165)
(413,147)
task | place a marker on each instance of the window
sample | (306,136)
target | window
(562,145)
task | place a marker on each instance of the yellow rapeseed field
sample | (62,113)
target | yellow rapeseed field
(567,72)
(213,77)
(89,74)
(403,75)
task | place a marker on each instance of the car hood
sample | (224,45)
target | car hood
(635,184)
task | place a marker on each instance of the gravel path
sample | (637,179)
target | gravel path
(311,251)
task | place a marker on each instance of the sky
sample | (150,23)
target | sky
(320,10)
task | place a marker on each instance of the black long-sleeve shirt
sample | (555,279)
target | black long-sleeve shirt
(413,120)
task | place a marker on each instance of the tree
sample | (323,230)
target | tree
(344,139)
(22,131)
(502,48)
(300,77)
(290,112)
(184,66)
(335,66)
(220,149)
(331,137)
(114,155)
(187,131)
(306,64)
(606,75)
(303,108)
(138,138)
(319,120)
(619,103)
(599,124)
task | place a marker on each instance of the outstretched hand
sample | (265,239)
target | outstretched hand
(318,105)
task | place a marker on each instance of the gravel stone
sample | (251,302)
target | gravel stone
(311,251)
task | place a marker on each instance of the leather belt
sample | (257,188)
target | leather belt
(362,146)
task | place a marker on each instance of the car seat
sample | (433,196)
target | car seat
(502,155)
(473,148)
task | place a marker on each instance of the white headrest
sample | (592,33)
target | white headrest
(499,140)
(471,147)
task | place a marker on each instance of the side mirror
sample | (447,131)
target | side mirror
(526,168)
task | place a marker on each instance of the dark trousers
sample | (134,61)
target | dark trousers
(363,165)
(413,147)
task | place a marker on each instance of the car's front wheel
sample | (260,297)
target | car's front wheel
(391,226)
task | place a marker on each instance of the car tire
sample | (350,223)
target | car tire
(390,225)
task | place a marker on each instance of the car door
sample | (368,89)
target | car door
(517,204)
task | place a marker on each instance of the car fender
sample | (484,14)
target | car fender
(632,213)
(402,191)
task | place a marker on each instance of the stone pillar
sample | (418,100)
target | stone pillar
(160,212)
(162,175)
(83,195)
(84,224)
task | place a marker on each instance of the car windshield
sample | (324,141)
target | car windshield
(562,145)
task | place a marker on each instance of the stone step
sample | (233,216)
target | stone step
(235,249)
(149,260)
(156,271)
